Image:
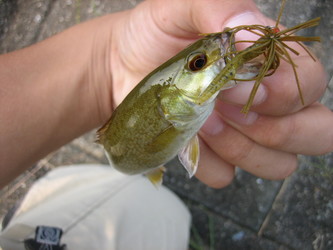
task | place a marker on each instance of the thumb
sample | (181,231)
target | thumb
(187,17)
(220,14)
(248,18)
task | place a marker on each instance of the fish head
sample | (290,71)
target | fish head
(202,61)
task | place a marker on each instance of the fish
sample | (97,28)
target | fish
(159,119)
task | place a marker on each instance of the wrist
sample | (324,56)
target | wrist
(52,92)
(105,65)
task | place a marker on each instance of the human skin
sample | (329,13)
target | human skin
(60,88)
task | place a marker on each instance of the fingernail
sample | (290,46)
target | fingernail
(233,113)
(246,18)
(213,125)
(241,93)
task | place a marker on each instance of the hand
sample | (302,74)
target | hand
(156,30)
(267,140)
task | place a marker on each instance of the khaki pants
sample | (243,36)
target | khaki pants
(97,207)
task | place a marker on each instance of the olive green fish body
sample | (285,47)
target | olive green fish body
(148,130)
(160,117)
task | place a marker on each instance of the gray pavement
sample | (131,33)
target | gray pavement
(251,213)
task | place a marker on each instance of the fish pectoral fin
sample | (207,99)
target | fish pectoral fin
(161,140)
(156,176)
(189,156)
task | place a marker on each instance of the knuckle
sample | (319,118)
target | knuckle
(279,134)
(238,151)
(288,98)
(292,100)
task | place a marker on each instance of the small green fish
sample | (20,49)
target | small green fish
(160,117)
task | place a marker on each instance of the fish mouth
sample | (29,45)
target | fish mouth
(248,70)
(225,39)
(225,44)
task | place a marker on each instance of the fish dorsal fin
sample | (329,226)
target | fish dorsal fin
(156,176)
(189,156)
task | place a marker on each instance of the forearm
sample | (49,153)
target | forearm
(53,92)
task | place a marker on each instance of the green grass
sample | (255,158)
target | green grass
(197,242)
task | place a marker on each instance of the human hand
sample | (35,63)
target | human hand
(266,141)
(156,30)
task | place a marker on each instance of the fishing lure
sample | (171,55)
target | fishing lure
(272,45)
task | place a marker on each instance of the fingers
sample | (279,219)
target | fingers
(187,18)
(265,146)
(308,131)
(282,93)
(279,94)
(213,170)
(239,150)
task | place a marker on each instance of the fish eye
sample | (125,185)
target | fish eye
(197,62)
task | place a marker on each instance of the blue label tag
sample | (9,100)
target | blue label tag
(48,235)
(46,238)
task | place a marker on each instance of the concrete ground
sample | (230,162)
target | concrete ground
(251,213)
